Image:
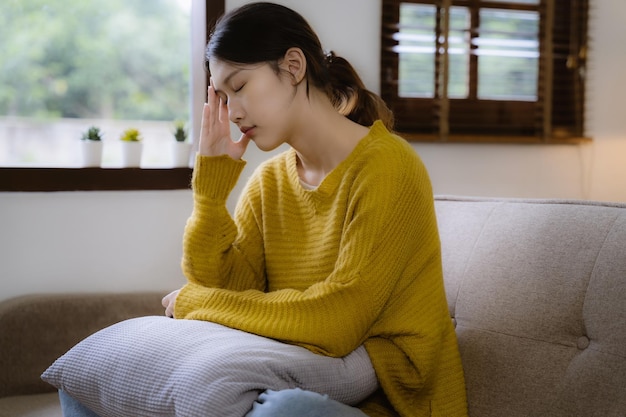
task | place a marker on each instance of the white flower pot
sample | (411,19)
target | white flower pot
(91,151)
(179,154)
(131,154)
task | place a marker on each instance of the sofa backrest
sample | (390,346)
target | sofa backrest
(537,290)
(36,329)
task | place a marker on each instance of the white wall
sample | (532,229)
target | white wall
(127,241)
(91,241)
(595,171)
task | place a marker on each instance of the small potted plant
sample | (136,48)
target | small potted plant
(91,141)
(181,149)
(131,147)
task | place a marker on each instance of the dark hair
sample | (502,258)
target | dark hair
(263,32)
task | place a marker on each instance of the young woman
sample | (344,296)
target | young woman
(334,243)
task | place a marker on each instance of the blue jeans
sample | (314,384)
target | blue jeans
(284,403)
(72,408)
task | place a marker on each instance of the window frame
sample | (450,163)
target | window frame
(17,179)
(415,119)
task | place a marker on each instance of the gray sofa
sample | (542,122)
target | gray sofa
(37,329)
(536,288)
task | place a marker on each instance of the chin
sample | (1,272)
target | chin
(267,147)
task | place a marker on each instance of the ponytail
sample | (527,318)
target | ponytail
(350,96)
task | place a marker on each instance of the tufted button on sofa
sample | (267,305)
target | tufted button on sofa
(537,289)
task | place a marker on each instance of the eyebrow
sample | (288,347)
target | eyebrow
(227,79)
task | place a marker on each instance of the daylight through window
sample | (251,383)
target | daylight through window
(481,70)
(68,65)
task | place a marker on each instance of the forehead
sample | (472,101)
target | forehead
(222,71)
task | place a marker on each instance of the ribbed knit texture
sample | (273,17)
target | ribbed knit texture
(355,261)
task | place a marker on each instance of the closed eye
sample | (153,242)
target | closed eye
(222,97)
(236,90)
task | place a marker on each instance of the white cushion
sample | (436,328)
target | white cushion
(156,366)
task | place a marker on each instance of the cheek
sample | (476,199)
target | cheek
(269,111)
(277,95)
(269,102)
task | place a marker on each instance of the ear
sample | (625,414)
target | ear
(294,63)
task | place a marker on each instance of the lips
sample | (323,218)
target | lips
(247,130)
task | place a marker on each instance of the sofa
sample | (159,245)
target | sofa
(536,290)
(36,329)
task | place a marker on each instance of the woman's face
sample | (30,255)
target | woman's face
(260,101)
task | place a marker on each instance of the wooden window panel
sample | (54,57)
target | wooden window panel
(556,116)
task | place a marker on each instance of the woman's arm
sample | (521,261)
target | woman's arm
(216,250)
(394,225)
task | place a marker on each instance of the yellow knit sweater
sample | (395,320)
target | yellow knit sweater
(355,261)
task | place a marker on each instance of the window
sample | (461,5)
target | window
(476,71)
(73,64)
(53,40)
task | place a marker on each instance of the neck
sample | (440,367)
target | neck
(326,138)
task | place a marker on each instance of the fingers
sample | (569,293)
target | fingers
(215,135)
(215,111)
(168,302)
(212,107)
(216,102)
(223,112)
(211,97)
(243,141)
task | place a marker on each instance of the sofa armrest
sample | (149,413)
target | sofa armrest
(36,329)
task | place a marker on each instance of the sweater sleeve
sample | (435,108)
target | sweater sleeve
(215,248)
(390,220)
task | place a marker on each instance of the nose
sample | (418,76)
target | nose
(235,111)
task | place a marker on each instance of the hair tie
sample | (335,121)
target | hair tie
(330,55)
